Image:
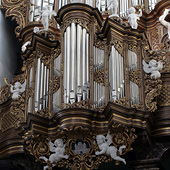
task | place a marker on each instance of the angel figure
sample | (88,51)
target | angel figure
(153,68)
(17,89)
(112,6)
(110,150)
(165,23)
(133,17)
(46,14)
(59,148)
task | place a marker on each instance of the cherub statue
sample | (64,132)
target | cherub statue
(17,89)
(59,148)
(133,17)
(112,6)
(46,14)
(165,23)
(110,150)
(153,68)
(24,47)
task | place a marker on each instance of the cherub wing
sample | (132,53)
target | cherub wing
(109,138)
(146,67)
(22,89)
(160,66)
(52,147)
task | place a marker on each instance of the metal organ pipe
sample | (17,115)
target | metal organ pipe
(37,85)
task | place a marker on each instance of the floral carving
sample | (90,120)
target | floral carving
(99,76)
(135,76)
(152,90)
(17,9)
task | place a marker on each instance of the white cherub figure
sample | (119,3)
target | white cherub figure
(110,150)
(24,47)
(153,68)
(46,14)
(59,148)
(17,89)
(133,17)
(165,23)
(112,6)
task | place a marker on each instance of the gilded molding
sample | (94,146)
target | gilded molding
(135,76)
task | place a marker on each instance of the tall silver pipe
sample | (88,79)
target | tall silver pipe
(68,63)
(79,63)
(45,87)
(37,85)
(29,105)
(87,57)
(84,56)
(41,85)
(65,68)
(73,67)
(73,55)
(31,76)
(59,4)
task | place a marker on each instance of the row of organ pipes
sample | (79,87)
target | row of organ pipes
(76,64)
(116,75)
(41,86)
(102,5)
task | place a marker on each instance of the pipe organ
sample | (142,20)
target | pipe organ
(116,75)
(41,86)
(76,64)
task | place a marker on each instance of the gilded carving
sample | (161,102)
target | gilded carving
(135,76)
(133,47)
(100,109)
(82,22)
(56,83)
(122,135)
(152,90)
(44,113)
(99,76)
(7,121)
(17,9)
(37,145)
(121,102)
(80,146)
(139,106)
(118,45)
(82,104)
